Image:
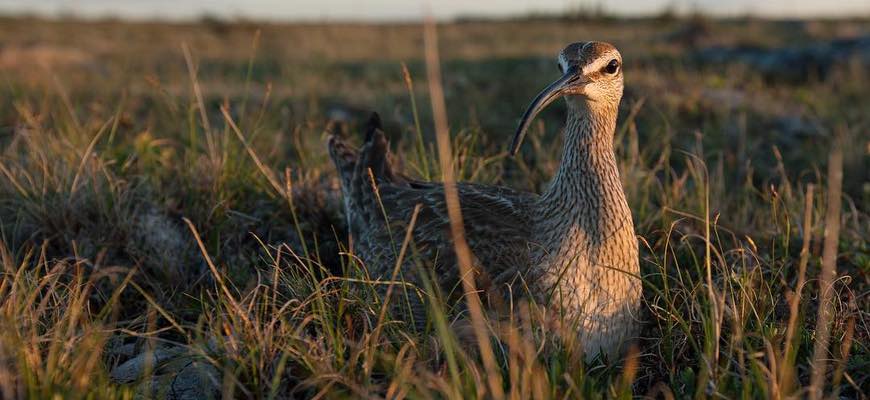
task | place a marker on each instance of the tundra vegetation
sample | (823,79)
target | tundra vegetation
(170,224)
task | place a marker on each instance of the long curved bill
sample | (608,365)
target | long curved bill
(571,79)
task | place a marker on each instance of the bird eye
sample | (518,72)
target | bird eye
(559,65)
(612,67)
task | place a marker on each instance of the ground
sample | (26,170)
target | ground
(151,247)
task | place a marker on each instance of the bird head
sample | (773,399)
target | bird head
(591,80)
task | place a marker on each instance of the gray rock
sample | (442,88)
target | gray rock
(175,374)
(125,350)
(134,368)
(196,380)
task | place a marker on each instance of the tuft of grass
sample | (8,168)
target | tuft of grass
(54,341)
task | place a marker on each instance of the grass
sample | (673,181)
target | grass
(173,204)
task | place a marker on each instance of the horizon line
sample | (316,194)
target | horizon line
(65,15)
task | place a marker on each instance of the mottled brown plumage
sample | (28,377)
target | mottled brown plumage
(574,244)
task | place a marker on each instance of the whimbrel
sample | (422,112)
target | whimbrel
(574,244)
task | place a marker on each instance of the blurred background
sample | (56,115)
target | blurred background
(739,60)
(756,87)
(391,10)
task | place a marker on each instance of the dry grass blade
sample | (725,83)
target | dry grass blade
(87,155)
(153,303)
(422,156)
(786,371)
(197,92)
(270,176)
(67,103)
(829,268)
(457,230)
(399,260)
(389,294)
(217,275)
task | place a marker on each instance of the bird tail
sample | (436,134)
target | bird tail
(354,165)
(357,170)
(344,156)
(375,153)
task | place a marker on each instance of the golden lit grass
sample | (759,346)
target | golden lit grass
(157,219)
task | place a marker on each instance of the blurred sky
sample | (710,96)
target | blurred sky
(414,9)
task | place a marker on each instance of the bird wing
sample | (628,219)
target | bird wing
(497,223)
(380,202)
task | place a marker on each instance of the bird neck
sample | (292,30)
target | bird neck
(585,254)
(584,204)
(587,173)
